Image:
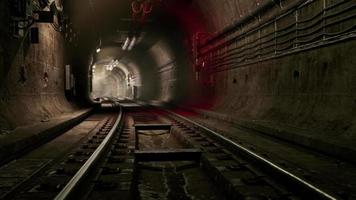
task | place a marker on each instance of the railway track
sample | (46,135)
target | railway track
(149,153)
(41,173)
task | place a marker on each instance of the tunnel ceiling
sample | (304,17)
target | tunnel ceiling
(108,22)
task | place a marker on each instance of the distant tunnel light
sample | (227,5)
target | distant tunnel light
(98,50)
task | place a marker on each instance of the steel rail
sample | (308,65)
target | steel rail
(297,179)
(83,171)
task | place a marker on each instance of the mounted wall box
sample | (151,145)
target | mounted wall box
(20,8)
(43,16)
(34,35)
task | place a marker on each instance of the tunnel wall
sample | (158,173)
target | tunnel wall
(260,71)
(142,68)
(233,11)
(311,90)
(32,78)
(165,62)
(173,71)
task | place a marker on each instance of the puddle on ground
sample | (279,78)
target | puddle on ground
(183,180)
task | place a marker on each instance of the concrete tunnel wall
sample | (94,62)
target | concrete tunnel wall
(173,72)
(303,89)
(27,96)
(306,90)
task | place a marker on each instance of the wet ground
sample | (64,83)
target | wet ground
(175,180)
(183,180)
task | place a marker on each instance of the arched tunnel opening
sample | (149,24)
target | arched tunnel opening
(177,99)
(153,62)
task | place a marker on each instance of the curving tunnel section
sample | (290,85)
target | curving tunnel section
(282,68)
(114,79)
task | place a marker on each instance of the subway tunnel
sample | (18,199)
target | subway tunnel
(268,85)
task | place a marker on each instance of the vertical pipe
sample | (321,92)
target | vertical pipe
(324,20)
(275,36)
(296,28)
(259,38)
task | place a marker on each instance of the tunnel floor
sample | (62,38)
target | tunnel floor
(154,153)
(184,180)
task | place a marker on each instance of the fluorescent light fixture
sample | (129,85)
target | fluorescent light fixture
(126,44)
(98,50)
(133,42)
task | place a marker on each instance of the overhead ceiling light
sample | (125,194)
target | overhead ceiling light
(98,47)
(112,65)
(126,44)
(133,42)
